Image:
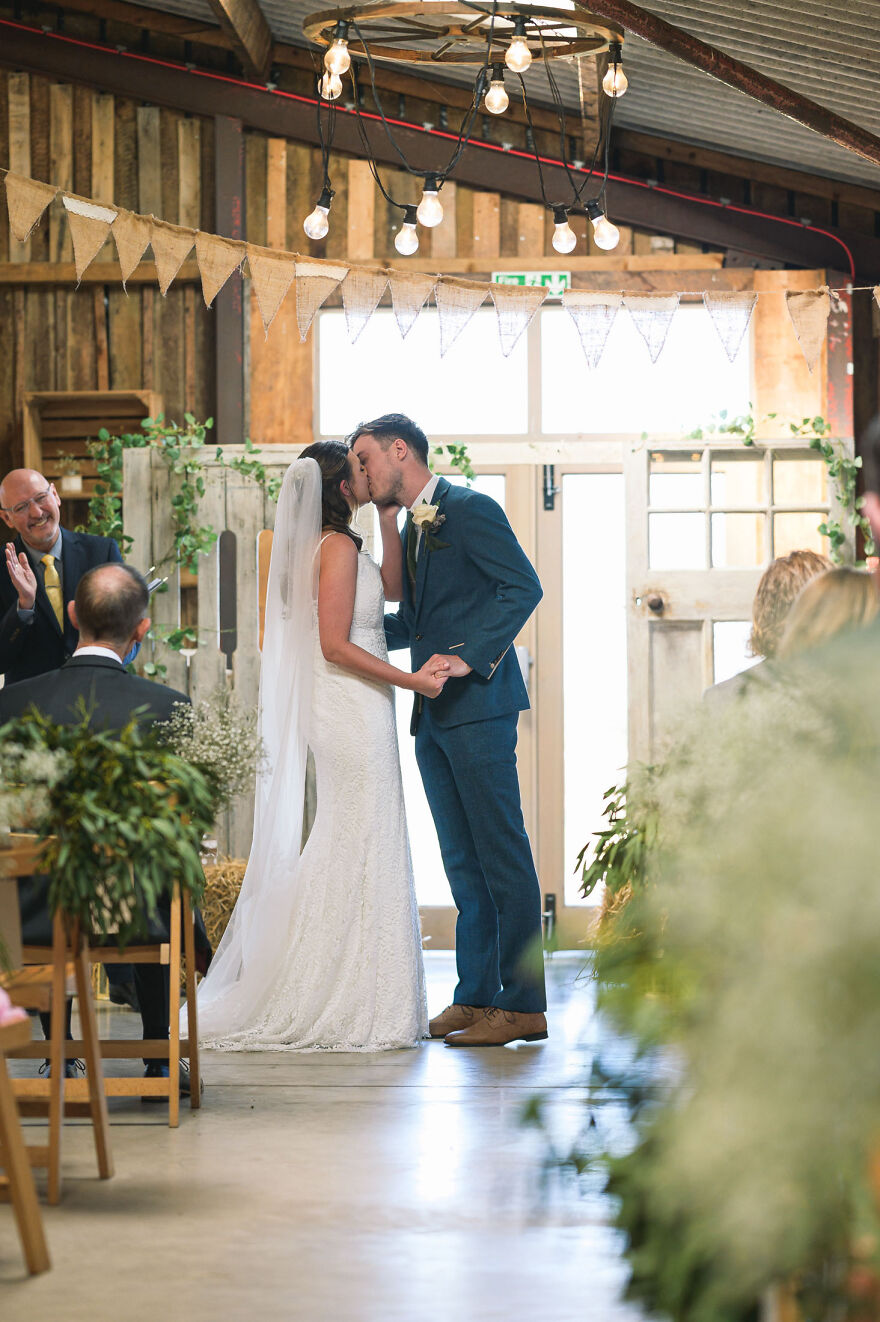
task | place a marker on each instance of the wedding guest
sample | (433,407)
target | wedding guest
(780,585)
(44,564)
(837,602)
(110,616)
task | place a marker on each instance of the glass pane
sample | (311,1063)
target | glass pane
(626,392)
(738,479)
(676,541)
(473,390)
(595,713)
(799,531)
(799,481)
(676,481)
(432,888)
(730,652)
(737,541)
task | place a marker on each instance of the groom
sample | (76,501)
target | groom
(468,589)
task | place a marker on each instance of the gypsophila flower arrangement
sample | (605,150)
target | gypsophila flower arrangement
(26,778)
(220,738)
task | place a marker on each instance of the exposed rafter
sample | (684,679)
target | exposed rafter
(736,74)
(245,24)
(482,167)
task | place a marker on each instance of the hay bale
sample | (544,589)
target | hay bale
(222,884)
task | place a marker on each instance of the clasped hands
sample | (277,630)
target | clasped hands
(23,578)
(437,670)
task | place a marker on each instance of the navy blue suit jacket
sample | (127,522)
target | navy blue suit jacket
(33,649)
(475,589)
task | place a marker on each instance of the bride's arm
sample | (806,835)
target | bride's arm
(392,553)
(336,590)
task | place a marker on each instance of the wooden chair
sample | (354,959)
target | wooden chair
(46,986)
(17,1185)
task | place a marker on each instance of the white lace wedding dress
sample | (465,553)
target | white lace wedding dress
(348,973)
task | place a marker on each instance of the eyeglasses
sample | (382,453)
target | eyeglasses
(40,499)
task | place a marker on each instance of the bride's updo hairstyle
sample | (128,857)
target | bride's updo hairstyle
(333,459)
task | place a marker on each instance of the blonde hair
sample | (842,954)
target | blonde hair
(839,600)
(780,585)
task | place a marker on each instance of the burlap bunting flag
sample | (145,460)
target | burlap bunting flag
(809,311)
(315,281)
(593,316)
(26,200)
(457,301)
(515,306)
(361,291)
(409,293)
(272,274)
(877,295)
(217,259)
(132,235)
(171,246)
(89,227)
(731,314)
(652,316)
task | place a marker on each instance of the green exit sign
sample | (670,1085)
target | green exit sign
(555,282)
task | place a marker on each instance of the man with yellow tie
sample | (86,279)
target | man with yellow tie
(45,563)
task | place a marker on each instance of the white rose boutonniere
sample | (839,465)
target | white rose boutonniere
(429,521)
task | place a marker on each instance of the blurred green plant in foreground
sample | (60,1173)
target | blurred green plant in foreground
(746,972)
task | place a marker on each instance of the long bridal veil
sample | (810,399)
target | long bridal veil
(245,966)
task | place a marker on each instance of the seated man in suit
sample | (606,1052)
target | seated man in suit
(44,563)
(110,614)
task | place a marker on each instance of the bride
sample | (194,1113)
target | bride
(323,949)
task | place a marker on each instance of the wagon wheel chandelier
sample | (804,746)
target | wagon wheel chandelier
(493,38)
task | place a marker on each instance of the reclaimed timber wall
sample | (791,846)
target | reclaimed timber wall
(98,337)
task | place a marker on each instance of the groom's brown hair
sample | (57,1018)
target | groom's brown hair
(390,427)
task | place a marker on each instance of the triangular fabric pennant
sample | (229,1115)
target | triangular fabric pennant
(272,274)
(88,236)
(515,305)
(652,316)
(171,245)
(315,281)
(26,200)
(877,295)
(457,301)
(410,292)
(132,235)
(731,314)
(217,259)
(809,312)
(361,291)
(593,316)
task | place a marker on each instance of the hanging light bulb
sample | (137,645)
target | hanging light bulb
(430,212)
(330,86)
(317,223)
(607,236)
(615,81)
(564,238)
(518,57)
(497,100)
(337,59)
(406,240)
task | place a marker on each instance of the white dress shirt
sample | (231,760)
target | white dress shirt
(98,651)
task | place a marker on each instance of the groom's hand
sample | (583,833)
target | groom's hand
(457,668)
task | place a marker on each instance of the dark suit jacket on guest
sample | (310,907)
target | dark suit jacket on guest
(36,647)
(112,695)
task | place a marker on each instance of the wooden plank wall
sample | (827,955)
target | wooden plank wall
(98,337)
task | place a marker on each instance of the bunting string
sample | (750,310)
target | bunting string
(272,272)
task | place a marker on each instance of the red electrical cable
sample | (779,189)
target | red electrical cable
(429,132)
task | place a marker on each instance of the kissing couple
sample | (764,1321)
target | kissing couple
(323,949)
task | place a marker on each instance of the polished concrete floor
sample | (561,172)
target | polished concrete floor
(344,1188)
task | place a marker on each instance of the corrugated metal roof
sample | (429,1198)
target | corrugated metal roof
(829,52)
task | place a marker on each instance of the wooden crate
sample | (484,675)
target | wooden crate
(59,423)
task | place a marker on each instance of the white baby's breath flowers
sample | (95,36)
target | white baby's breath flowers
(221,739)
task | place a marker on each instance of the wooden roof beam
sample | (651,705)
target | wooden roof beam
(245,24)
(714,62)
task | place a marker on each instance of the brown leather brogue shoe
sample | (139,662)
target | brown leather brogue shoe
(452,1018)
(497,1027)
